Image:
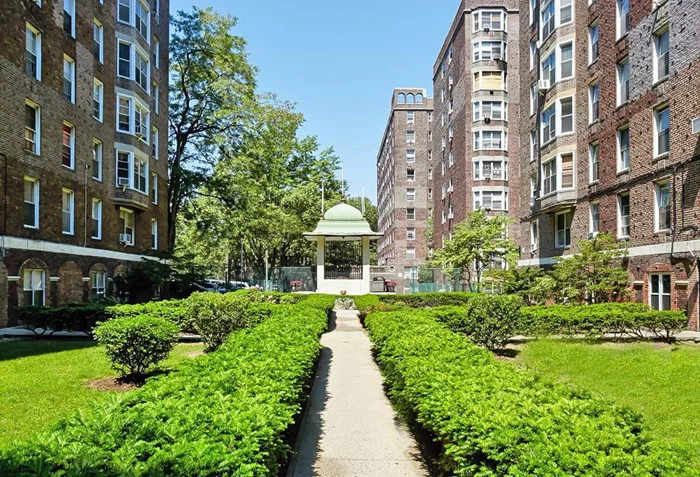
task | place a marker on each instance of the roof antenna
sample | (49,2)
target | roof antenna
(363,200)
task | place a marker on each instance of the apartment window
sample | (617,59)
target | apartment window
(154,188)
(141,121)
(124,114)
(489,19)
(430,194)
(533,54)
(549,176)
(567,115)
(69,17)
(594,102)
(411,155)
(661,55)
(97,97)
(623,149)
(533,99)
(489,170)
(489,80)
(34,286)
(96,160)
(411,233)
(141,71)
(533,145)
(562,229)
(97,40)
(533,187)
(662,129)
(489,140)
(451,132)
(31,202)
(410,117)
(68,145)
(593,43)
(533,236)
(443,93)
(126,227)
(154,234)
(410,136)
(411,214)
(660,291)
(430,116)
(623,17)
(142,19)
(156,53)
(430,173)
(623,215)
(96,219)
(549,68)
(156,98)
(124,11)
(68,211)
(594,161)
(411,194)
(566,52)
(154,143)
(410,253)
(156,10)
(489,110)
(98,281)
(565,11)
(490,200)
(32,124)
(451,159)
(140,175)
(548,21)
(444,190)
(594,218)
(567,171)
(32,60)
(623,82)
(489,50)
(410,175)
(662,216)
(124,59)
(549,123)
(124,169)
(69,78)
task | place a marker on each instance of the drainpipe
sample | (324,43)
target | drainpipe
(4,207)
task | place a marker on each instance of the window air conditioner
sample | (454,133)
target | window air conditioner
(123,181)
(487,120)
(487,29)
(542,86)
(125,238)
(451,215)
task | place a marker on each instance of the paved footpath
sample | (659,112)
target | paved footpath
(349,428)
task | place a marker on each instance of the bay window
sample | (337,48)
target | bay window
(126,227)
(489,50)
(489,19)
(495,110)
(489,80)
(549,176)
(490,140)
(490,200)
(490,170)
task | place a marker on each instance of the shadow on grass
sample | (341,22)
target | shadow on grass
(14,349)
(508,353)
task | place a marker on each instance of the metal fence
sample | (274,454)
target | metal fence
(425,279)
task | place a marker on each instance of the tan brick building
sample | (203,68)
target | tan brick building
(404,181)
(614,138)
(83,145)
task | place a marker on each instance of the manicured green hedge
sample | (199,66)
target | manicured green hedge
(225,413)
(78,317)
(597,320)
(175,311)
(493,419)
(428,300)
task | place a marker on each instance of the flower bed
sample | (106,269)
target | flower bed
(493,419)
(225,413)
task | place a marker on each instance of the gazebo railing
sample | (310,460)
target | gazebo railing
(343,272)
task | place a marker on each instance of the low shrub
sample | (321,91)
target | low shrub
(492,418)
(318,301)
(175,311)
(594,321)
(134,344)
(225,413)
(428,300)
(365,304)
(81,317)
(217,315)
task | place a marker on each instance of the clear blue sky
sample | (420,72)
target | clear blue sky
(339,61)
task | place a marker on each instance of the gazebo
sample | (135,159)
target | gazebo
(336,264)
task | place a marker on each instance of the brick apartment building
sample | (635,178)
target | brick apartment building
(83,145)
(476,109)
(404,181)
(614,138)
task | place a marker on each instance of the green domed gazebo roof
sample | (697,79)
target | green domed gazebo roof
(342,221)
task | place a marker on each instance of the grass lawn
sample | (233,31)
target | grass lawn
(43,380)
(662,382)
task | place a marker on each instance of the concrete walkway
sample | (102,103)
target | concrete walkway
(349,428)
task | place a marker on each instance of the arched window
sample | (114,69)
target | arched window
(419,98)
(410,99)
(402,98)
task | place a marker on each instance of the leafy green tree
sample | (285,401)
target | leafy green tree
(530,283)
(476,242)
(595,274)
(212,87)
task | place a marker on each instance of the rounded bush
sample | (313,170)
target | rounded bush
(135,344)
(490,320)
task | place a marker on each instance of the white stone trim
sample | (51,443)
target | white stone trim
(53,279)
(641,251)
(18,243)
(13,278)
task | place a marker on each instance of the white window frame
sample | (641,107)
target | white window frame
(410,156)
(156,97)
(129,61)
(98,284)
(567,226)
(28,281)
(69,6)
(410,233)
(533,236)
(658,279)
(620,156)
(479,140)
(657,130)
(594,102)
(410,137)
(655,49)
(479,202)
(36,197)
(155,150)
(594,218)
(97,158)
(410,175)
(478,85)
(550,177)
(69,67)
(98,38)
(36,149)
(96,217)
(560,60)
(533,54)
(123,214)
(70,194)
(494,164)
(548,67)
(410,253)
(533,145)
(593,28)
(154,234)
(483,50)
(98,97)
(494,106)
(37,44)
(619,12)
(142,73)
(141,10)
(411,213)
(478,21)
(154,188)
(71,144)
(130,11)
(657,205)
(622,66)
(410,194)
(620,225)
(593,153)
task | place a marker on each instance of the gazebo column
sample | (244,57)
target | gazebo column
(365,265)
(320,261)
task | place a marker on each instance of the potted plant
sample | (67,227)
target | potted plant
(296,284)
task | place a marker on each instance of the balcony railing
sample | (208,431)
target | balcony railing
(342,272)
